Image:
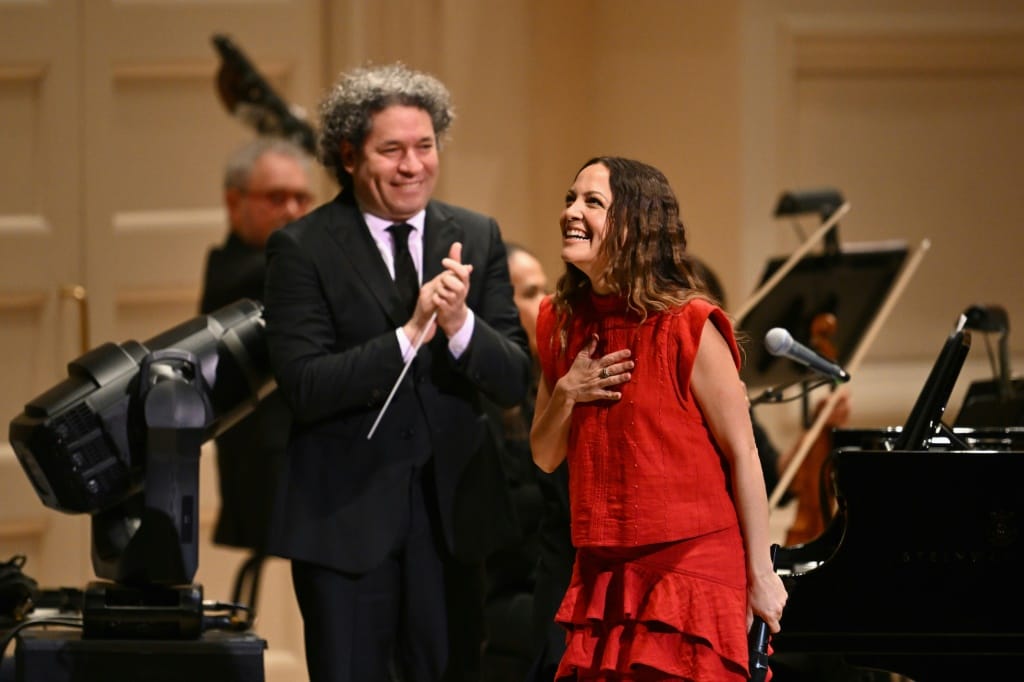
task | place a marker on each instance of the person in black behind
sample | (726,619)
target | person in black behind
(509,645)
(386,533)
(266,185)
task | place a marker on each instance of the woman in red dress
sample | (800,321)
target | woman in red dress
(641,392)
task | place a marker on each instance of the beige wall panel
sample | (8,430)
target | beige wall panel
(911,155)
(486,162)
(23,537)
(24,361)
(666,92)
(55,545)
(19,137)
(536,97)
(165,237)
(39,193)
(114,142)
(359,32)
(21,513)
(921,133)
(157,134)
(172,114)
(914,117)
(558,110)
(143,313)
(39,251)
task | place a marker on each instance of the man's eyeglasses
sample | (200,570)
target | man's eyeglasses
(280,197)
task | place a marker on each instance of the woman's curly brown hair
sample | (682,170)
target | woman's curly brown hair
(644,246)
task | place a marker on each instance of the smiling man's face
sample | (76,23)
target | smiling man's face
(394,173)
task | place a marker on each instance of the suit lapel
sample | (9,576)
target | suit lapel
(439,232)
(349,230)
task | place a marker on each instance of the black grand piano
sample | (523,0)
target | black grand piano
(921,570)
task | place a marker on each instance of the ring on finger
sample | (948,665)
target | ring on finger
(604,373)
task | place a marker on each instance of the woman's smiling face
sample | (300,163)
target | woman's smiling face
(584,222)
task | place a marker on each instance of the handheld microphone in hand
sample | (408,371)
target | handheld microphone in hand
(780,342)
(757,641)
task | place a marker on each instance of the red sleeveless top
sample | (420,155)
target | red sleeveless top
(644,469)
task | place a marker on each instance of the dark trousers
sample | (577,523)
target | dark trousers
(414,618)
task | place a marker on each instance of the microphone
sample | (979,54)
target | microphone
(780,342)
(757,641)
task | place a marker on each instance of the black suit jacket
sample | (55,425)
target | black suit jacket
(331,311)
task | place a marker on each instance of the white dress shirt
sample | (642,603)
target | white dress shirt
(459,341)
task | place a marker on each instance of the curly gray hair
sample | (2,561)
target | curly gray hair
(346,113)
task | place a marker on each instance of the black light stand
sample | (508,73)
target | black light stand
(152,556)
(120,439)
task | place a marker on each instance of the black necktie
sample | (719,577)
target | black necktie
(406,280)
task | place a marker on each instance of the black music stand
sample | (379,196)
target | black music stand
(925,418)
(983,406)
(998,402)
(851,283)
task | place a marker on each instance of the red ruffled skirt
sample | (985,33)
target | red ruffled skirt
(658,612)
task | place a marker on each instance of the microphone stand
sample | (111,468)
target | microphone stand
(774,394)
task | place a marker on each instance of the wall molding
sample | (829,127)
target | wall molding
(126,72)
(169,220)
(22,73)
(22,301)
(19,522)
(150,296)
(950,45)
(24,223)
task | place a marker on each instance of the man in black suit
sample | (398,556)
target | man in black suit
(266,186)
(385,532)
